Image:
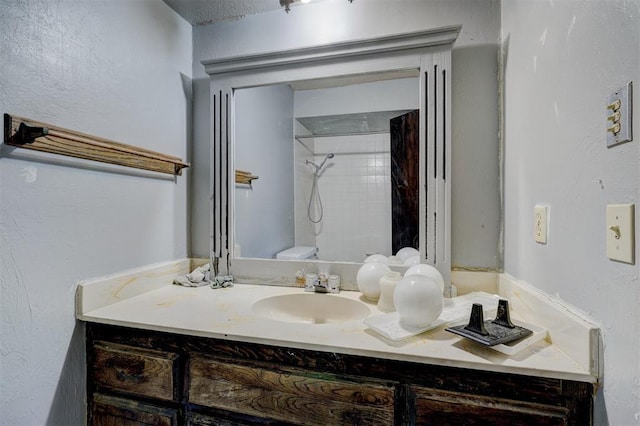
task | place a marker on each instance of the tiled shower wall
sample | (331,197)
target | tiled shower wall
(355,188)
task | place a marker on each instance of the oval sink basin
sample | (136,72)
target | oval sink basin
(311,308)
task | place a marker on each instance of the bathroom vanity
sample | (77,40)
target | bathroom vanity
(164,378)
(163,354)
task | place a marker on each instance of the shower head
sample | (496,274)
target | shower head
(319,168)
(330,155)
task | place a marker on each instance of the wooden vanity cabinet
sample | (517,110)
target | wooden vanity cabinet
(438,407)
(111,411)
(145,377)
(289,394)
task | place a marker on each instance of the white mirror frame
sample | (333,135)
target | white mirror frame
(426,51)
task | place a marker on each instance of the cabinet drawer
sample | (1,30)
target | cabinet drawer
(111,411)
(289,395)
(198,419)
(440,407)
(134,370)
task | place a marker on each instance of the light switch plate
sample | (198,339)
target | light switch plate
(540,223)
(621,233)
(625,114)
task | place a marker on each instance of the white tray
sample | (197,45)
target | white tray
(455,310)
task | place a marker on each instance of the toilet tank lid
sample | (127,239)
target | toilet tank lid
(298,252)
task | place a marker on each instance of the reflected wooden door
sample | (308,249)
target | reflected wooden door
(405,151)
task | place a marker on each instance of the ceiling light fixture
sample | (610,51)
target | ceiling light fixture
(287,3)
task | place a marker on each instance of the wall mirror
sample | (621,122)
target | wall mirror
(315,129)
(323,153)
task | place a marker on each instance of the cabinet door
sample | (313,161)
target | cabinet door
(111,411)
(437,407)
(143,372)
(293,396)
(199,419)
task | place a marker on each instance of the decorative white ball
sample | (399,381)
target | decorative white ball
(413,260)
(377,258)
(407,252)
(427,271)
(418,300)
(368,279)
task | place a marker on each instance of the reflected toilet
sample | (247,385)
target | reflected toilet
(297,253)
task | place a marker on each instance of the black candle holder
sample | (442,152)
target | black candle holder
(491,332)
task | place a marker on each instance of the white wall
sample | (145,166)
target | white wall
(119,70)
(265,210)
(563,58)
(476,200)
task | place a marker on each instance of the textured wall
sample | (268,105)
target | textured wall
(475,191)
(112,69)
(563,59)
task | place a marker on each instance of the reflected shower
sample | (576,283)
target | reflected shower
(317,168)
(315,192)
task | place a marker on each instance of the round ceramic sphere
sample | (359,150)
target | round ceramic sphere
(377,258)
(407,252)
(368,279)
(413,260)
(427,271)
(418,300)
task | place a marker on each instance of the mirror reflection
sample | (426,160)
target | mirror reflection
(335,168)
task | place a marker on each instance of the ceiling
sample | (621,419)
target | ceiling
(202,12)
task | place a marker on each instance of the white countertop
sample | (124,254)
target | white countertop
(226,314)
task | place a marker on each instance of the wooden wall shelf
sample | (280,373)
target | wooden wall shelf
(245,177)
(30,134)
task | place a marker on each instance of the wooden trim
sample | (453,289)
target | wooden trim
(79,145)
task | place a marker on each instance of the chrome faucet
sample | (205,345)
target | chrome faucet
(322,283)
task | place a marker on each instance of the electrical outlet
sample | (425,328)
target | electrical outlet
(619,116)
(540,224)
(620,232)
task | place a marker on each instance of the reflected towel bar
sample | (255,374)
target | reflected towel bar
(245,177)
